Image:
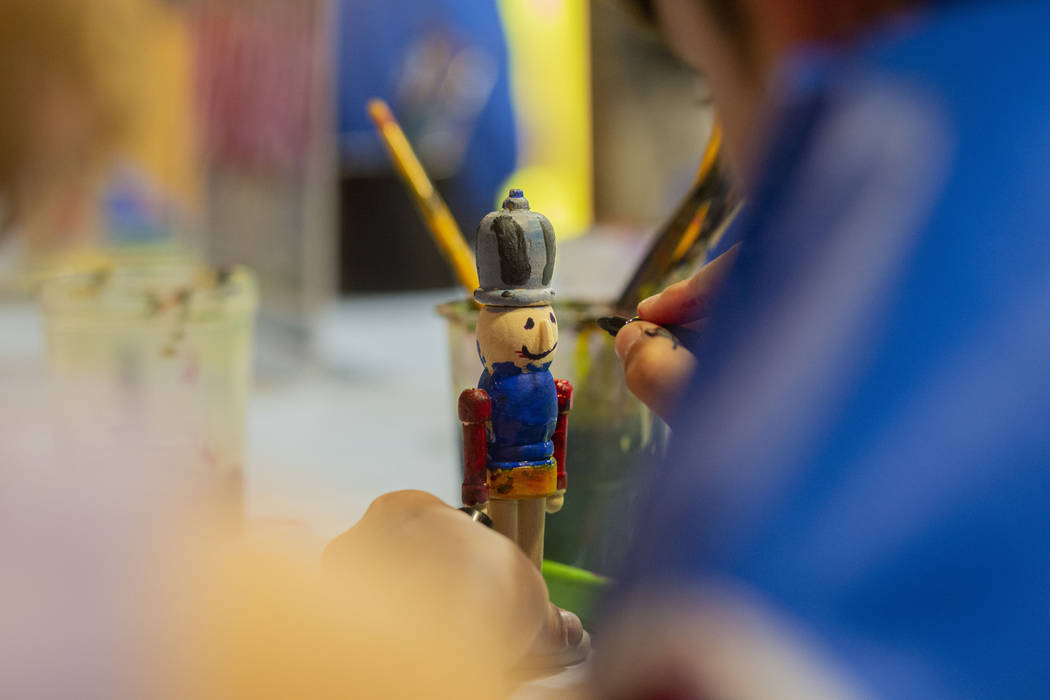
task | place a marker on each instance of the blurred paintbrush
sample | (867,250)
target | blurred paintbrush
(695,222)
(438,218)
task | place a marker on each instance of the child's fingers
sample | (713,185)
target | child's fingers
(688,300)
(656,366)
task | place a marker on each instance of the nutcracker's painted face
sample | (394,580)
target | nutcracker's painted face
(525,336)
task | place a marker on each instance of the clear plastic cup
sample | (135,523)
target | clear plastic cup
(612,436)
(159,356)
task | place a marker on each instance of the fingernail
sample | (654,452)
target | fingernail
(621,346)
(572,626)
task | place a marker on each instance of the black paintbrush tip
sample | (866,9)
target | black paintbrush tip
(612,324)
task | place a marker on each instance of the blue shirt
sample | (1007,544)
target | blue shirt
(866,442)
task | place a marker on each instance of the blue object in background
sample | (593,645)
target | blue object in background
(442,67)
(133,211)
(866,442)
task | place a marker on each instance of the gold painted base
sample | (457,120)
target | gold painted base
(523,482)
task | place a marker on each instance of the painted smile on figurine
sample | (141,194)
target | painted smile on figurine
(524,352)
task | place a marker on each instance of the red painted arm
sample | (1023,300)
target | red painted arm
(475,410)
(564,388)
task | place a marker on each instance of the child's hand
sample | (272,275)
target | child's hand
(435,574)
(655,364)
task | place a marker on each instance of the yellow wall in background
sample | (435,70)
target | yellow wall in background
(549,42)
(163,138)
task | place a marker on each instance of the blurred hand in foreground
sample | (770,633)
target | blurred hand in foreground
(430,567)
(415,600)
(655,364)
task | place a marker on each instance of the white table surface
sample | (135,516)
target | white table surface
(373,412)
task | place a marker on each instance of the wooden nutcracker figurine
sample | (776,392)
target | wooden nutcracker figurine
(514,423)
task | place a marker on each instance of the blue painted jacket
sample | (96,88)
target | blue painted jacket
(524,415)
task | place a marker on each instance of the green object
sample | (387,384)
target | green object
(573,589)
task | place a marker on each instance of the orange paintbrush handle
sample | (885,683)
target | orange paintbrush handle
(438,218)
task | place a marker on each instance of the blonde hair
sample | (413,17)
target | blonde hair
(66,62)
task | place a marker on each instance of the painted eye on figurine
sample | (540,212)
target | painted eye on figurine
(529,324)
(553,320)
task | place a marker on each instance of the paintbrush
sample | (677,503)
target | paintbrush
(614,324)
(438,218)
(695,221)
